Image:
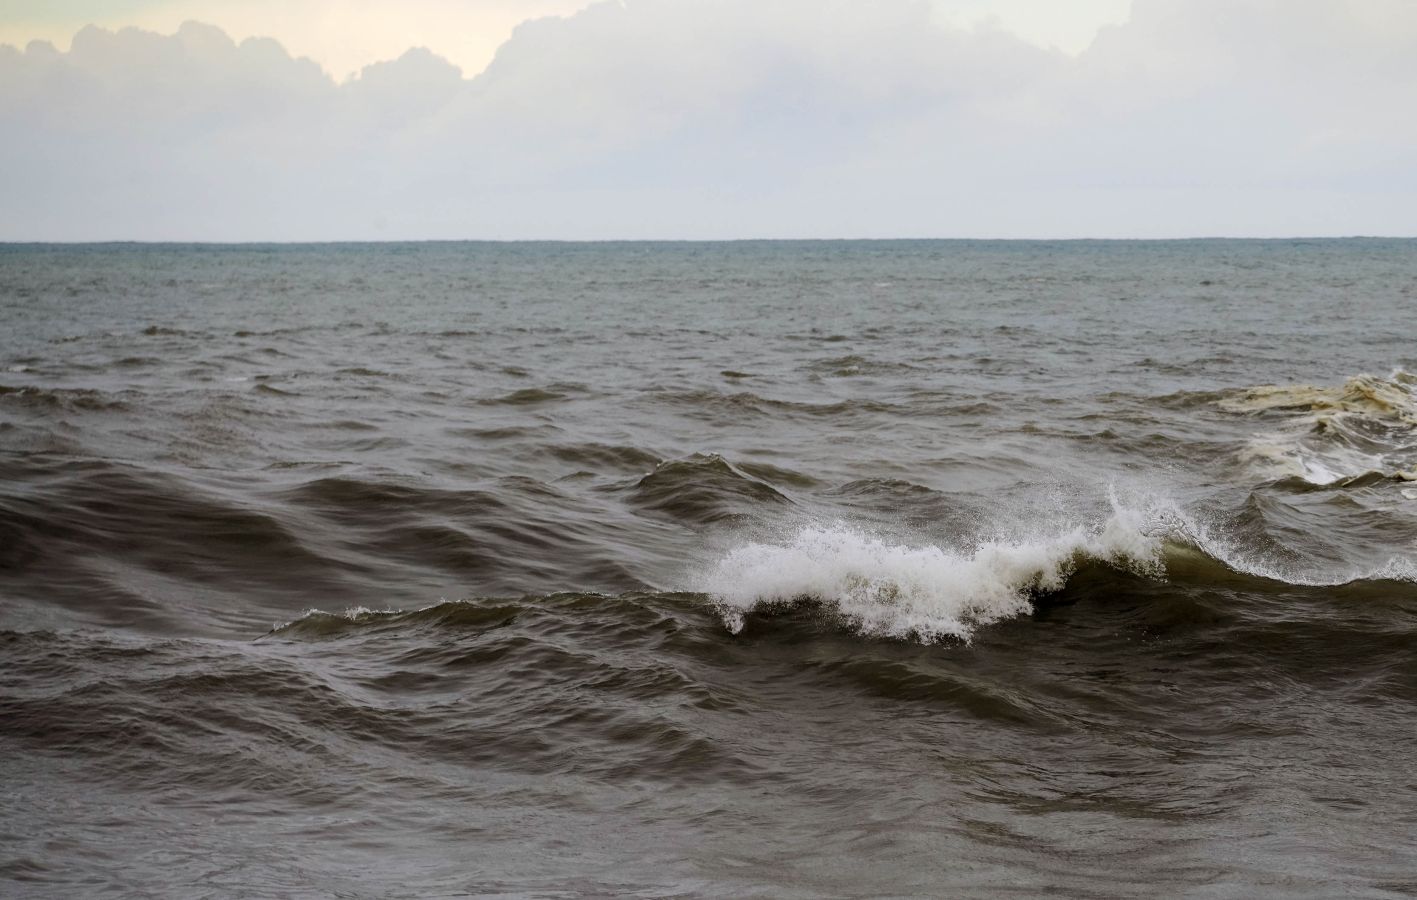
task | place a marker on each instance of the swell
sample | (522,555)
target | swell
(123,543)
(542,685)
(835,581)
(56,509)
(674,649)
(717,406)
(651,686)
(129,546)
(62,400)
(703,489)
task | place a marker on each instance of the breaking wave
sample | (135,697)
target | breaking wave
(927,593)
(930,593)
(1332,436)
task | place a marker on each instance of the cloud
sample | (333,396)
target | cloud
(689,118)
(342,35)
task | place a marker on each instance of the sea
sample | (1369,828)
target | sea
(763,569)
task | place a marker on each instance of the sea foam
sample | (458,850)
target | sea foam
(1335,434)
(927,593)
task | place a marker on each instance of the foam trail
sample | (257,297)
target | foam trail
(927,593)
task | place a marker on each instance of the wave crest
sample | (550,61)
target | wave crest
(1336,435)
(1387,398)
(924,592)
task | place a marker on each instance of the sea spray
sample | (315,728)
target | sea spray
(927,593)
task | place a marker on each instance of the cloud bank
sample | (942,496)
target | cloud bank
(731,119)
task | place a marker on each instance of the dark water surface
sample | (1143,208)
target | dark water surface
(777,570)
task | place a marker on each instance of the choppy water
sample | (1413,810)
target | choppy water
(823,569)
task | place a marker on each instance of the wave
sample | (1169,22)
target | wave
(854,365)
(924,592)
(1282,458)
(929,593)
(1389,398)
(703,490)
(526,397)
(67,399)
(1334,436)
(597,456)
(714,405)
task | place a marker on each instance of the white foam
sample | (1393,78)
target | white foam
(922,592)
(1315,446)
(1279,455)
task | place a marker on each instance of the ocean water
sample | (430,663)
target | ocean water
(764,569)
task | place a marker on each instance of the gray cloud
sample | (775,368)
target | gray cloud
(681,118)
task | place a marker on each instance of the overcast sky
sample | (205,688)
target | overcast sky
(366,119)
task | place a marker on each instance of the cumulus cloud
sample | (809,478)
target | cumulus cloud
(775,118)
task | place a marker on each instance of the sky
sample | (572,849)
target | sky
(568,119)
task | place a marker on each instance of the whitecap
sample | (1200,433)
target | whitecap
(926,592)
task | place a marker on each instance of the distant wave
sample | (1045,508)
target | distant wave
(1334,436)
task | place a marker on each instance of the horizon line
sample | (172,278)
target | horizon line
(316,242)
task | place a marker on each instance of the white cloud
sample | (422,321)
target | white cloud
(342,35)
(690,118)
(1068,26)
